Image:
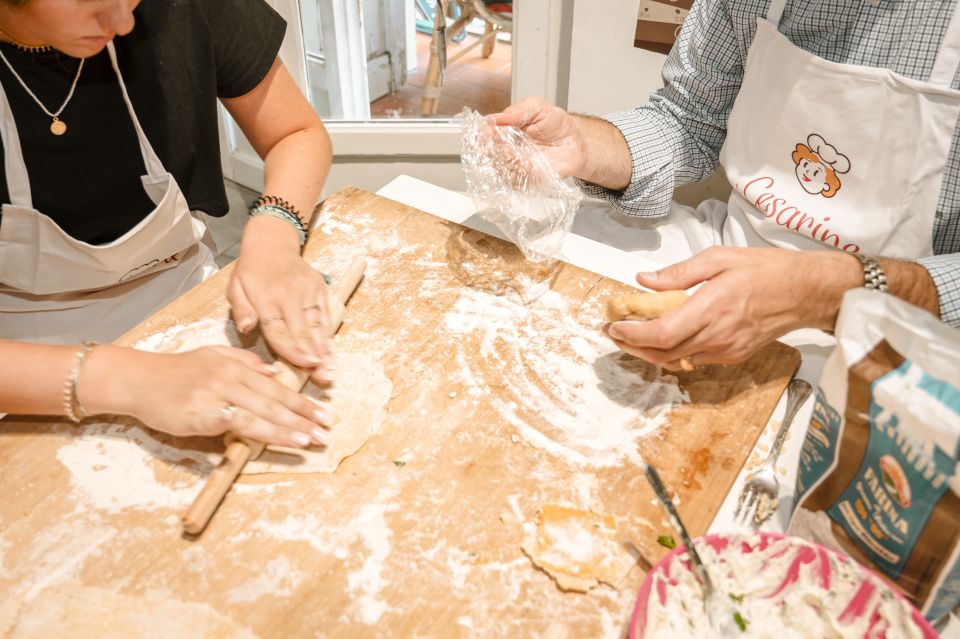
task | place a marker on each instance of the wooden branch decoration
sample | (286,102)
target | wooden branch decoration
(241,450)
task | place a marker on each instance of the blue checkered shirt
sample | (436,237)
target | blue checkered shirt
(675,139)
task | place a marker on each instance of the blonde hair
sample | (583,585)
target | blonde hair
(803,152)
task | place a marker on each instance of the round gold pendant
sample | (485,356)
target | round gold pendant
(58,126)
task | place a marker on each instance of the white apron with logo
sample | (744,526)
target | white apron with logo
(56,289)
(821,155)
(829,155)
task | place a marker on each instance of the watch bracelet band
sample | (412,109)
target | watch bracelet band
(874,277)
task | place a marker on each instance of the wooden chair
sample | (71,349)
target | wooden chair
(496,21)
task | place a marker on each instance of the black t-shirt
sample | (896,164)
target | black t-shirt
(180,57)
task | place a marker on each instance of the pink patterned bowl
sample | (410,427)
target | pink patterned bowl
(772,585)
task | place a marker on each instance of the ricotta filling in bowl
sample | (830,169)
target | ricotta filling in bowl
(774,586)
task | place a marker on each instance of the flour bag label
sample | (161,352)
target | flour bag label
(878,469)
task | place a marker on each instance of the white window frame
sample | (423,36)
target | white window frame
(540,52)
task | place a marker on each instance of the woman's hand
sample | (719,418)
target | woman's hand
(207,391)
(749,297)
(273,286)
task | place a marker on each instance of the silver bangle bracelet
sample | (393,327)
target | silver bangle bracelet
(283,214)
(72,406)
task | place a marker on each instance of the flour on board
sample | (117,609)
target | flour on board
(87,612)
(275,579)
(566,387)
(369,527)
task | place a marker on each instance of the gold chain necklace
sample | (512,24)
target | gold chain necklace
(29,48)
(57,126)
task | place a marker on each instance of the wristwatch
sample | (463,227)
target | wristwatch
(874,277)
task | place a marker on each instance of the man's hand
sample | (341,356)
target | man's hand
(749,297)
(551,129)
(575,145)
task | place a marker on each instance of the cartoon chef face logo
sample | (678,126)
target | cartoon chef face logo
(818,166)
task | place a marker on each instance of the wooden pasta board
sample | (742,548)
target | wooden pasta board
(426,548)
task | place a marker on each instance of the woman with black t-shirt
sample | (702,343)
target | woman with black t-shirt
(108,116)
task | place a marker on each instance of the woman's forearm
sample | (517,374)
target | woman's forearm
(34,377)
(287,133)
(294,170)
(297,166)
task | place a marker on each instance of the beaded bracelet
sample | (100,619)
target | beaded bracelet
(72,407)
(264,200)
(283,214)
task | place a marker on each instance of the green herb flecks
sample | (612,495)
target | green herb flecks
(741,622)
(737,598)
(667,541)
(399,463)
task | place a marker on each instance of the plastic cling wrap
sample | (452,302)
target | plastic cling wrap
(515,187)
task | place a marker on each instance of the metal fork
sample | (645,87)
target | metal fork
(762,483)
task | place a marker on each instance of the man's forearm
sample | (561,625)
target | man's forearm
(607,156)
(839,272)
(913,283)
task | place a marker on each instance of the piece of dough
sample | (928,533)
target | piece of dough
(578,548)
(358,396)
(645,306)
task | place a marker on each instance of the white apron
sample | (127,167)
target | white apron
(56,289)
(828,155)
(821,155)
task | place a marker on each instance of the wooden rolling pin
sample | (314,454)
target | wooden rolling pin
(239,449)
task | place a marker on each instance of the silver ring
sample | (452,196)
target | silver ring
(227,413)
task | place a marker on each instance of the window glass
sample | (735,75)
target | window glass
(393,71)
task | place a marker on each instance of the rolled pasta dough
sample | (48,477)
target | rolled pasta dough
(357,398)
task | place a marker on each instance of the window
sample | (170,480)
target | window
(355,61)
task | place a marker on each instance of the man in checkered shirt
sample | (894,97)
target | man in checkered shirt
(635,159)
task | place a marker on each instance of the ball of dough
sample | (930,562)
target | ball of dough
(643,306)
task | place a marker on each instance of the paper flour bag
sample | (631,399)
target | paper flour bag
(878,476)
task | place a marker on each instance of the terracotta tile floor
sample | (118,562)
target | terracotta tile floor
(483,84)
